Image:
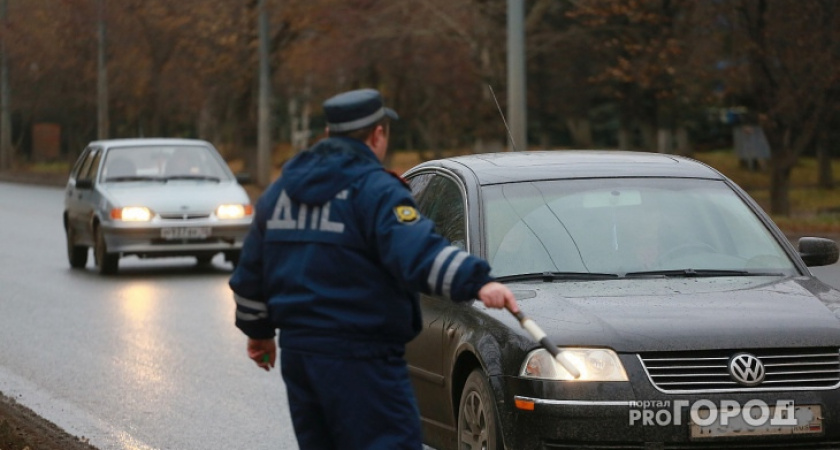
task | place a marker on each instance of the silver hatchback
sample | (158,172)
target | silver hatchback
(153,198)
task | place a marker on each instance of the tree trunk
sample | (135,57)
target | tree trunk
(683,142)
(581,131)
(664,140)
(780,186)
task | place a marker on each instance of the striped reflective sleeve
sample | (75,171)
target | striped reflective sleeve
(447,261)
(249,310)
(437,266)
(451,271)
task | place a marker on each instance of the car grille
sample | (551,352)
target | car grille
(786,369)
(178,216)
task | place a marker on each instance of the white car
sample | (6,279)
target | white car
(153,198)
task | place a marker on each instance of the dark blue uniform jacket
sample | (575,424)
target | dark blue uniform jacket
(337,253)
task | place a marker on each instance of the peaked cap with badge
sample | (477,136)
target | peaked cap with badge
(354,110)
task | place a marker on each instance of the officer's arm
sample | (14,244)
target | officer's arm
(246,281)
(417,256)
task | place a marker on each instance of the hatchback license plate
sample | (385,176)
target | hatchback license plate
(185,233)
(808,421)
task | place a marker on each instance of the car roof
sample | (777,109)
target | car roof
(512,167)
(134,142)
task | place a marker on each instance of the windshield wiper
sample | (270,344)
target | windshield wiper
(193,177)
(553,276)
(689,273)
(134,178)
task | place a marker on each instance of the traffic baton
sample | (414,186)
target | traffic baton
(539,335)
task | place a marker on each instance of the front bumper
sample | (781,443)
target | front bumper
(147,240)
(635,415)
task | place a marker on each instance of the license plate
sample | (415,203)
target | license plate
(808,421)
(185,233)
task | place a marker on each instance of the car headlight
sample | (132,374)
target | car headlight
(233,211)
(595,364)
(132,214)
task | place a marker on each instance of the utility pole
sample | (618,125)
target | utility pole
(5,113)
(102,124)
(517,103)
(264,109)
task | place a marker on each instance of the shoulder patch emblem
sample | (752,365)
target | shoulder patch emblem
(406,214)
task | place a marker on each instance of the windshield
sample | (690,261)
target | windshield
(626,225)
(163,163)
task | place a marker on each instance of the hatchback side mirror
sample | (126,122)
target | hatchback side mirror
(818,251)
(84,183)
(243,178)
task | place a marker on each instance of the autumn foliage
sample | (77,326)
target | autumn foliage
(635,74)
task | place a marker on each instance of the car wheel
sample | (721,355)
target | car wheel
(77,255)
(233,258)
(105,262)
(477,425)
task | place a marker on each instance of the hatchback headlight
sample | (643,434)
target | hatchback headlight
(595,364)
(233,211)
(132,214)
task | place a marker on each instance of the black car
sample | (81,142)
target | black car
(692,319)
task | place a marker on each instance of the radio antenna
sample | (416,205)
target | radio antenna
(510,135)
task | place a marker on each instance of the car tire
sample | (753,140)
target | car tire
(477,419)
(77,255)
(233,258)
(106,262)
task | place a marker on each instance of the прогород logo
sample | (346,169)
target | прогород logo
(704,412)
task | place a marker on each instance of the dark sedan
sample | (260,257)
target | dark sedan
(692,319)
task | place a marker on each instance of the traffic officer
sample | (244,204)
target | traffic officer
(335,257)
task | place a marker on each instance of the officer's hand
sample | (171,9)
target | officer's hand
(497,295)
(263,352)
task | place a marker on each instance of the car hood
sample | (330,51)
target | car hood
(176,196)
(683,314)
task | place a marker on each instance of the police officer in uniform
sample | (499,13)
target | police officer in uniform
(334,259)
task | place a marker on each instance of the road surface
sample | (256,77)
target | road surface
(148,359)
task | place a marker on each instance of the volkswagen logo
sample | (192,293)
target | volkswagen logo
(746,369)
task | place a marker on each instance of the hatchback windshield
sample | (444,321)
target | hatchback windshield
(626,226)
(162,163)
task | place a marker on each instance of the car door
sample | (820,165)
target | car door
(440,198)
(82,196)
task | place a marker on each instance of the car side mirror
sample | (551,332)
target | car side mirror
(244,178)
(818,251)
(84,184)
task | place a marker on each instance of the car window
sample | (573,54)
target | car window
(442,202)
(164,162)
(79,163)
(90,166)
(625,225)
(418,185)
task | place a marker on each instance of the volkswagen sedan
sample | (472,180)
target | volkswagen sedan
(153,198)
(693,321)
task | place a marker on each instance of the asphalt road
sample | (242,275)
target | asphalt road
(148,359)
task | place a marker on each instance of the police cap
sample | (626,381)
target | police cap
(354,110)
